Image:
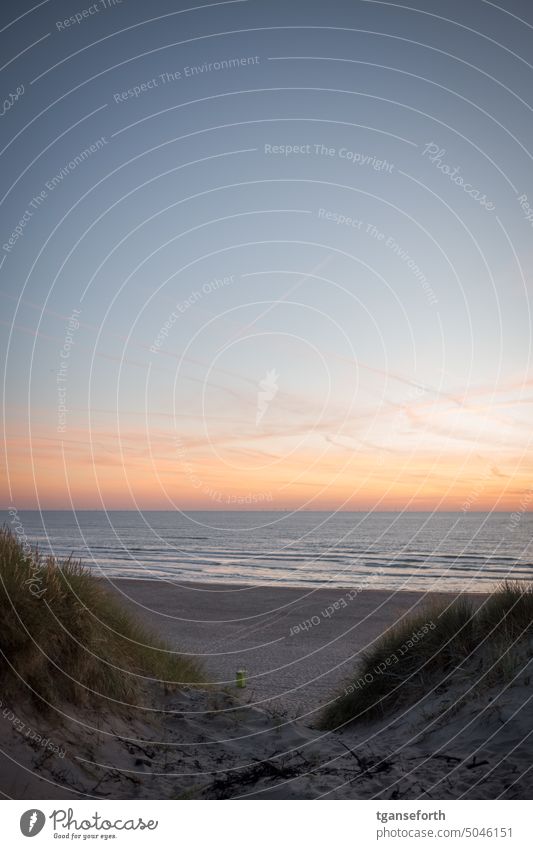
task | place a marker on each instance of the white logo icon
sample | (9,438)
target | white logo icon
(268,389)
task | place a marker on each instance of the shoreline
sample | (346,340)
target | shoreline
(222,586)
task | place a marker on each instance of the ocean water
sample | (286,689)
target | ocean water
(421,551)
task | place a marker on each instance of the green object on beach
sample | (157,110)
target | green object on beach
(240,678)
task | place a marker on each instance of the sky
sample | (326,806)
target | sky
(267,255)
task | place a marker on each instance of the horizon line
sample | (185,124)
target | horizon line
(196,510)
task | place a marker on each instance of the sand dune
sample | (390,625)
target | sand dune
(220,742)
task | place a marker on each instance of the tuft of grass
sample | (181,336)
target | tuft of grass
(400,667)
(66,638)
(508,612)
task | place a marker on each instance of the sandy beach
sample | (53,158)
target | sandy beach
(297,645)
(212,740)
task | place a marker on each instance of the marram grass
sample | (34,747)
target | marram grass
(64,637)
(429,649)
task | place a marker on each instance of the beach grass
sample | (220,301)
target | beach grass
(64,637)
(431,649)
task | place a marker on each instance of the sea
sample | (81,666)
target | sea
(417,551)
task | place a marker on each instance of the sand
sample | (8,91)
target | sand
(297,645)
(261,742)
(206,745)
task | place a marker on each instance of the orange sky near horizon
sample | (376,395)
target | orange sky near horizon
(315,471)
(380,441)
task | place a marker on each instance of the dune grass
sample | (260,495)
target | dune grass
(421,651)
(64,637)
